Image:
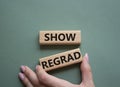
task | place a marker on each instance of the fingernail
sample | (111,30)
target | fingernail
(21,75)
(37,67)
(22,68)
(87,57)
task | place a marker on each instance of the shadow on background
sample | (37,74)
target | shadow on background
(60,47)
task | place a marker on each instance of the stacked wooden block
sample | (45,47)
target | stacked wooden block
(60,38)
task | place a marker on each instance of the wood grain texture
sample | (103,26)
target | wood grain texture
(69,37)
(61,59)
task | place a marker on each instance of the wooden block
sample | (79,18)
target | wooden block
(61,59)
(70,37)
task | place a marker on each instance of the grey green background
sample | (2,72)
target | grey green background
(98,20)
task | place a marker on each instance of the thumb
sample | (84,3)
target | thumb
(50,80)
(86,70)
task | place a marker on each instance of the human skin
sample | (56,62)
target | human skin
(40,78)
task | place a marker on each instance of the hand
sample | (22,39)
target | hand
(43,79)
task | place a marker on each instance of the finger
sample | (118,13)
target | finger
(31,76)
(50,80)
(24,80)
(86,69)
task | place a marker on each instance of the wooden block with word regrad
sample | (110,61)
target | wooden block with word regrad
(61,59)
(69,37)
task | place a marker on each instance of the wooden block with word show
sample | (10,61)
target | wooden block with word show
(70,37)
(61,60)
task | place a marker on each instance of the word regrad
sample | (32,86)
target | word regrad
(61,59)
